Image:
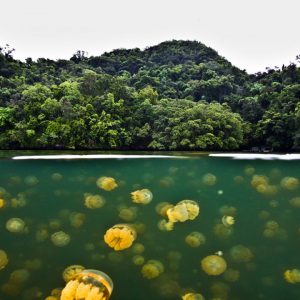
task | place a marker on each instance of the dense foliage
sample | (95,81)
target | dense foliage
(178,95)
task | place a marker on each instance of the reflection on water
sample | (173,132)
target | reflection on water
(198,227)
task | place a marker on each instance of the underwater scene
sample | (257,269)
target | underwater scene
(168,227)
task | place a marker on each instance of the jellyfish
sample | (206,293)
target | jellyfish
(231,275)
(220,290)
(31,180)
(51,298)
(55,224)
(76,219)
(162,207)
(138,260)
(240,254)
(143,196)
(15,225)
(128,214)
(71,271)
(163,225)
(106,183)
(166,182)
(60,238)
(292,276)
(183,211)
(195,239)
(2,203)
(192,296)
(93,201)
(88,284)
(222,232)
(249,170)
(227,210)
(213,265)
(56,177)
(120,236)
(41,234)
(209,179)
(152,269)
(289,183)
(228,221)
(295,202)
(3,259)
(19,201)
(32,264)
(19,276)
(138,248)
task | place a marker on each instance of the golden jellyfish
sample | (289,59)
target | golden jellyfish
(15,225)
(60,238)
(93,201)
(56,177)
(2,203)
(70,272)
(295,202)
(222,232)
(55,224)
(127,214)
(213,265)
(192,296)
(289,183)
(19,276)
(292,276)
(228,221)
(31,180)
(263,215)
(138,248)
(231,275)
(19,201)
(143,196)
(76,219)
(195,239)
(120,236)
(32,264)
(163,225)
(138,260)
(51,298)
(162,207)
(238,179)
(88,284)
(249,170)
(106,183)
(183,211)
(41,234)
(166,182)
(152,269)
(3,259)
(227,210)
(220,290)
(240,254)
(209,179)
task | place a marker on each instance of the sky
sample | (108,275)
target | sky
(251,34)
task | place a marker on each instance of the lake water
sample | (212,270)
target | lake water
(262,195)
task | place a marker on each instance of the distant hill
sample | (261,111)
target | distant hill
(178,95)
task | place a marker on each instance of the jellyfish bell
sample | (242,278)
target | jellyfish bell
(56,177)
(231,275)
(162,207)
(71,271)
(195,239)
(295,202)
(240,254)
(222,232)
(192,296)
(77,219)
(227,210)
(213,265)
(16,225)
(164,225)
(143,196)
(289,183)
(184,210)
(60,238)
(128,214)
(120,236)
(152,269)
(228,221)
(106,183)
(2,203)
(292,276)
(3,259)
(88,284)
(19,276)
(93,201)
(209,179)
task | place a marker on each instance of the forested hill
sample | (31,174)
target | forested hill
(178,95)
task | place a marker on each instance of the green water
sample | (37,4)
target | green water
(48,203)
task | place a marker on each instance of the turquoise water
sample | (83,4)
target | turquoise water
(49,202)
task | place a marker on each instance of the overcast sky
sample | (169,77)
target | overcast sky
(251,34)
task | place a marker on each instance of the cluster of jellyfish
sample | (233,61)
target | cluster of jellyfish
(128,237)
